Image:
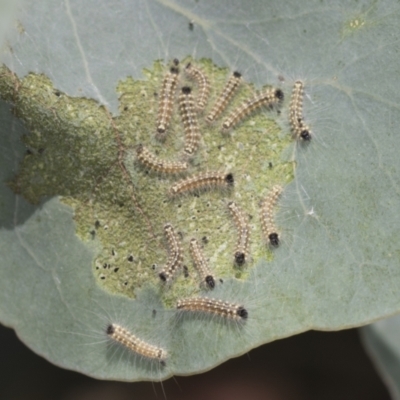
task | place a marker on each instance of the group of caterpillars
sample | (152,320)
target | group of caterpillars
(189,108)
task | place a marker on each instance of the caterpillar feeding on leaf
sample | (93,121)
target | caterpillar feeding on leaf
(201,264)
(269,98)
(152,162)
(189,119)
(242,225)
(299,129)
(128,340)
(211,306)
(166,101)
(267,220)
(175,258)
(225,97)
(202,181)
(203,83)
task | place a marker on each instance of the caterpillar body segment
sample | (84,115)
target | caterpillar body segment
(267,216)
(225,97)
(203,83)
(201,264)
(125,338)
(268,98)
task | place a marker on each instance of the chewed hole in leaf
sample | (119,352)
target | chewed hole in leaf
(79,151)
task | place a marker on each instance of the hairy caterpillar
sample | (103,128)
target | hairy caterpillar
(225,97)
(268,98)
(299,128)
(267,220)
(122,336)
(202,181)
(242,225)
(201,264)
(175,258)
(213,306)
(152,162)
(202,81)
(167,95)
(189,119)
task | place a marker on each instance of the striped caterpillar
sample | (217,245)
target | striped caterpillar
(267,219)
(167,95)
(202,181)
(299,128)
(242,225)
(189,119)
(123,337)
(201,264)
(175,258)
(202,81)
(268,98)
(224,98)
(207,305)
(152,162)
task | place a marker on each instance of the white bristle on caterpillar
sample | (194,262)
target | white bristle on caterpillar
(241,253)
(299,129)
(225,97)
(201,264)
(166,100)
(202,181)
(128,340)
(211,306)
(189,120)
(267,219)
(268,98)
(152,162)
(203,83)
(175,258)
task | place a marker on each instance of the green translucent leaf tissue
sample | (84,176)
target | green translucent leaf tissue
(81,224)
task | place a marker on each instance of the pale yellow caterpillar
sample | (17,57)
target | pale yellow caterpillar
(299,128)
(175,258)
(242,225)
(166,99)
(125,338)
(202,181)
(201,264)
(203,83)
(267,220)
(189,119)
(152,162)
(225,97)
(269,98)
(207,305)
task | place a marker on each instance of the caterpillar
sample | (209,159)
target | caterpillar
(152,162)
(125,338)
(202,181)
(243,228)
(175,258)
(201,264)
(297,125)
(203,83)
(268,98)
(224,98)
(167,95)
(213,306)
(267,220)
(189,119)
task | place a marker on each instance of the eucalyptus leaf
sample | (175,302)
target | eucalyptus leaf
(75,72)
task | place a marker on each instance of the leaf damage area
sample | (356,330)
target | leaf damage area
(77,150)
